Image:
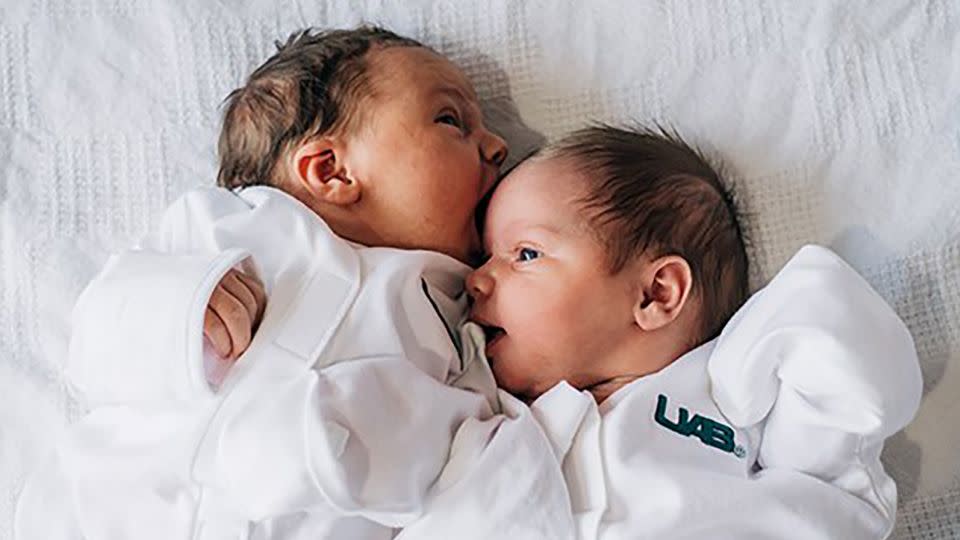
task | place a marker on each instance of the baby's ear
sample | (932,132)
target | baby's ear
(665,285)
(317,167)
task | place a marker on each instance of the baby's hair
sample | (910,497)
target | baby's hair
(652,194)
(313,85)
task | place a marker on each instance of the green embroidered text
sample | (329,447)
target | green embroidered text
(709,431)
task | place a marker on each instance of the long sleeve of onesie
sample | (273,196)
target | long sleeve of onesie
(827,371)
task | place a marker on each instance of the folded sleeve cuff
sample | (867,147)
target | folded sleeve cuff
(138,327)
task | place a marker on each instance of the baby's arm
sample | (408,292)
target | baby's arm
(366,436)
(827,371)
(138,326)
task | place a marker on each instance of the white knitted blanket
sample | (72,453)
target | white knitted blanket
(840,121)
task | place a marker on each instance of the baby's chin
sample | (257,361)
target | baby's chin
(523,390)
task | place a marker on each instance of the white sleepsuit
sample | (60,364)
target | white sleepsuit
(771,431)
(358,388)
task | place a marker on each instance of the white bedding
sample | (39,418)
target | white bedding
(840,122)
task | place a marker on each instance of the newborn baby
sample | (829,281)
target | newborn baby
(615,258)
(352,164)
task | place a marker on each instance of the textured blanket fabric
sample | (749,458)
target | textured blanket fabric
(839,121)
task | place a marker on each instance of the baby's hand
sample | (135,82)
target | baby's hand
(235,309)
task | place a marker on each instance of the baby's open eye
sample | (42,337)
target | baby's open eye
(527,255)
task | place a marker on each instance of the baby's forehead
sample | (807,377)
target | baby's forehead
(418,68)
(556,176)
(546,192)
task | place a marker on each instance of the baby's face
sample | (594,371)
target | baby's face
(551,307)
(425,152)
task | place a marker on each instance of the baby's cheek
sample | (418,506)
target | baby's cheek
(553,329)
(507,377)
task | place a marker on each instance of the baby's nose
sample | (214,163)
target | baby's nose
(493,148)
(479,284)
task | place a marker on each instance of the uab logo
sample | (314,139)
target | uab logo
(709,431)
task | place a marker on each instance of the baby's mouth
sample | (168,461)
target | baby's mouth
(493,334)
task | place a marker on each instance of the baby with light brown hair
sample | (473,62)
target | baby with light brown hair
(352,166)
(380,136)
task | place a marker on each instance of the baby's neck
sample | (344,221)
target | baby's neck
(645,355)
(601,391)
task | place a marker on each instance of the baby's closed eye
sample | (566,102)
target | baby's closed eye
(449,118)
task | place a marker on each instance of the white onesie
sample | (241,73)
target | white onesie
(358,388)
(773,430)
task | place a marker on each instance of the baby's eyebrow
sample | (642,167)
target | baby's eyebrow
(520,229)
(547,229)
(457,95)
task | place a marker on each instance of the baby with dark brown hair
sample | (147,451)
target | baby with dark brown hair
(615,259)
(654,237)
